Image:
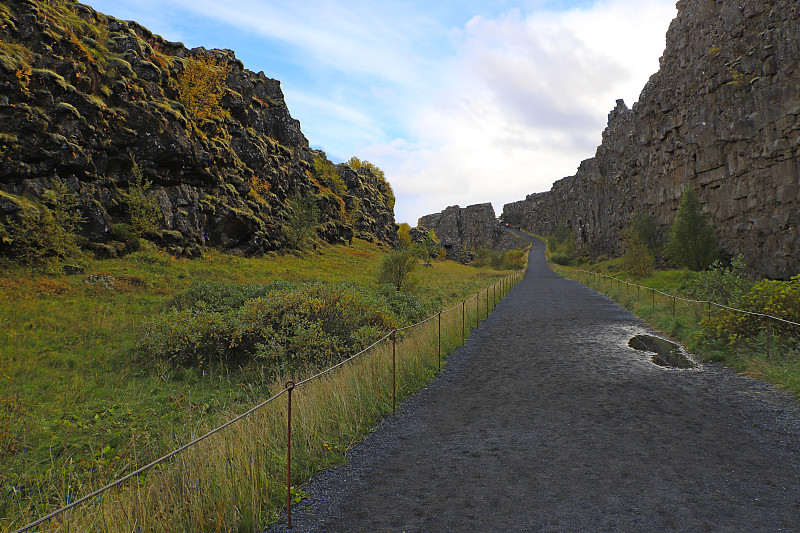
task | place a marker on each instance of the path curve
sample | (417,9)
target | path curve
(546,421)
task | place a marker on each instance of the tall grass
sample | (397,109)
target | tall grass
(232,481)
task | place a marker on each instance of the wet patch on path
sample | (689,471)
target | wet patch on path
(666,353)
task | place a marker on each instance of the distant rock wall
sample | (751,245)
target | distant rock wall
(470,227)
(84,95)
(720,116)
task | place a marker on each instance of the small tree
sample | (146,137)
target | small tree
(404,235)
(691,243)
(646,229)
(303,220)
(637,260)
(396,267)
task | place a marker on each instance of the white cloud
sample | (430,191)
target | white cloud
(529,100)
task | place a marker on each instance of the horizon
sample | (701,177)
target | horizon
(459,103)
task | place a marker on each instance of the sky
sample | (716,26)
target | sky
(458,102)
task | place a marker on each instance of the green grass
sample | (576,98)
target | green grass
(749,356)
(77,409)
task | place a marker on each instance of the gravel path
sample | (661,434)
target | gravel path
(547,421)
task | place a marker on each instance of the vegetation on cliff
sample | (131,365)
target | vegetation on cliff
(126,120)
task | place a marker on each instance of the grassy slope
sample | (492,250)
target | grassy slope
(73,402)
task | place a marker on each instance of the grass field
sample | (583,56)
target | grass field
(79,408)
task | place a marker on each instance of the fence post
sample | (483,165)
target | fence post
(673,306)
(477,309)
(487,302)
(394,368)
(463,321)
(289,388)
(768,336)
(637,291)
(439,352)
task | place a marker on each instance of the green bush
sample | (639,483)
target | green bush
(722,284)
(511,260)
(638,260)
(35,232)
(143,209)
(514,260)
(282,326)
(780,299)
(561,258)
(124,233)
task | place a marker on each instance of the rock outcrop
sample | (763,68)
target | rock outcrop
(86,98)
(466,229)
(721,116)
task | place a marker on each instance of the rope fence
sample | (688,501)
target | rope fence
(675,298)
(492,293)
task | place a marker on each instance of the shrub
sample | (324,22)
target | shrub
(404,235)
(303,221)
(637,260)
(201,86)
(514,260)
(780,299)
(124,233)
(645,228)
(396,268)
(691,243)
(561,258)
(283,326)
(329,176)
(721,284)
(36,232)
(142,209)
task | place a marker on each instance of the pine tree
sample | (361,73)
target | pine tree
(692,242)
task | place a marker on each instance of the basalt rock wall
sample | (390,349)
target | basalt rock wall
(471,228)
(84,97)
(721,116)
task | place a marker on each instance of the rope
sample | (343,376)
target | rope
(679,297)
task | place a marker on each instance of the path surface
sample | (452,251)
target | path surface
(546,421)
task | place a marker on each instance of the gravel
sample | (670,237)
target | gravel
(546,420)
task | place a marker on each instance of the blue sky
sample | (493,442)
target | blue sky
(458,102)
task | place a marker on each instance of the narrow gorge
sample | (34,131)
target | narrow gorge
(721,116)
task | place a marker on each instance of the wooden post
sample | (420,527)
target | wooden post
(289,389)
(394,368)
(439,356)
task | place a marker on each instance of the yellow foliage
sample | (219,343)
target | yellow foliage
(201,86)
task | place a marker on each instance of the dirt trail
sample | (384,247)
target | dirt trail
(547,421)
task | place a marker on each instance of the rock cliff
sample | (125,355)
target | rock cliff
(720,116)
(86,99)
(469,228)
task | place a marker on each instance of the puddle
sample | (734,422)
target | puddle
(666,353)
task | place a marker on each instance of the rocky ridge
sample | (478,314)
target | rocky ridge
(84,98)
(462,230)
(720,116)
